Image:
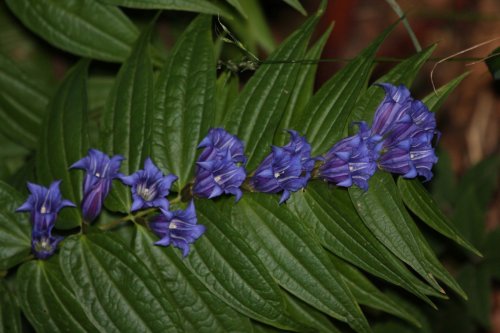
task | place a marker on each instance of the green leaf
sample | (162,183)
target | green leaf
(404,72)
(127,118)
(237,5)
(22,103)
(308,315)
(64,140)
(184,97)
(226,91)
(294,257)
(15,229)
(297,6)
(381,210)
(327,112)
(113,286)
(491,250)
(302,90)
(46,300)
(256,113)
(10,315)
(334,220)
(84,27)
(202,310)
(197,6)
(435,99)
(367,294)
(229,268)
(416,197)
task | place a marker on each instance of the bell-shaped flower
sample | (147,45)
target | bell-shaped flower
(178,228)
(411,157)
(44,204)
(351,160)
(219,140)
(149,187)
(219,176)
(407,128)
(100,172)
(287,169)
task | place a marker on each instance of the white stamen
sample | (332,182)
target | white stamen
(217,179)
(276,175)
(43,210)
(97,174)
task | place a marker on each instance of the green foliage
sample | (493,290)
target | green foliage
(329,260)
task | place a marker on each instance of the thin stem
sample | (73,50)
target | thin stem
(129,217)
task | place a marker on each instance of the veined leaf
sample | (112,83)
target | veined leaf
(114,286)
(10,314)
(295,259)
(308,315)
(184,97)
(229,268)
(256,113)
(15,229)
(331,215)
(237,5)
(83,27)
(367,294)
(127,118)
(22,104)
(47,301)
(403,73)
(327,112)
(420,202)
(382,212)
(227,87)
(64,140)
(303,89)
(202,310)
(197,6)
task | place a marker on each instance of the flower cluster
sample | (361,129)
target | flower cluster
(220,167)
(399,141)
(44,204)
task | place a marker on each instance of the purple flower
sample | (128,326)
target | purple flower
(218,140)
(178,228)
(100,172)
(44,204)
(407,128)
(352,160)
(149,187)
(218,176)
(287,169)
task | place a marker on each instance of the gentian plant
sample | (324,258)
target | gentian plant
(190,205)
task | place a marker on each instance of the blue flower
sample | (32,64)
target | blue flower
(352,160)
(100,172)
(44,204)
(178,228)
(149,187)
(287,169)
(407,128)
(217,176)
(218,140)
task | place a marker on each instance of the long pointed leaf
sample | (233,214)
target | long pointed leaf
(256,113)
(84,27)
(10,314)
(295,259)
(203,311)
(327,112)
(110,281)
(229,268)
(47,301)
(333,218)
(14,229)
(22,104)
(127,117)
(197,6)
(64,140)
(184,97)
